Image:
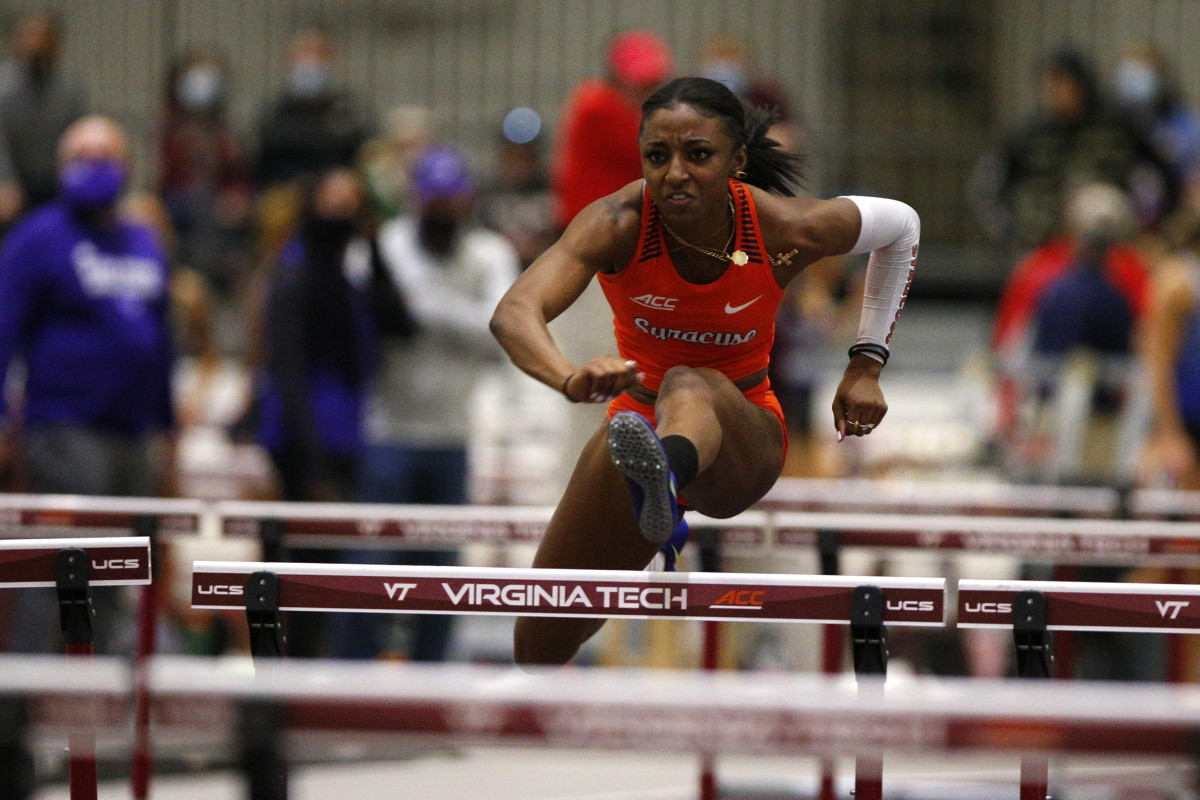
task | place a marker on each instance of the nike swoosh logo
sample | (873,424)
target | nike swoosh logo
(734,309)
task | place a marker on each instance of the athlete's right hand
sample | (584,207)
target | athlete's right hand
(601,379)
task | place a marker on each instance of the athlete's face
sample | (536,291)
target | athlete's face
(687,159)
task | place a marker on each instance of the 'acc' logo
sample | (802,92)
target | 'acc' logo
(654,301)
(744,598)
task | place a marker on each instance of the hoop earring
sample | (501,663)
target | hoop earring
(741,173)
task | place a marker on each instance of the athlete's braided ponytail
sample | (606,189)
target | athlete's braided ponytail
(768,166)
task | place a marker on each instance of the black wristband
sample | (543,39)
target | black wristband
(565,393)
(877,351)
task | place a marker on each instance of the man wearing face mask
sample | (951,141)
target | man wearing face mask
(84,304)
(451,273)
(36,106)
(1149,92)
(315,124)
(204,177)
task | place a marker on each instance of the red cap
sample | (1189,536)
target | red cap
(639,58)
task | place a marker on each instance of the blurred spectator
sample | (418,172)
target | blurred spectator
(1083,307)
(597,149)
(1149,91)
(315,124)
(318,354)
(727,59)
(1171,355)
(36,106)
(204,179)
(84,303)
(1018,191)
(451,274)
(320,346)
(1083,292)
(810,318)
(387,159)
(1099,219)
(517,204)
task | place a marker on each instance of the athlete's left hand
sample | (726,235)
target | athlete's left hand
(858,405)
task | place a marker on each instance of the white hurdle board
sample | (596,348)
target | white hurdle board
(112,561)
(568,593)
(1083,606)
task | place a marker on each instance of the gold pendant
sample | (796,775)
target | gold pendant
(739,258)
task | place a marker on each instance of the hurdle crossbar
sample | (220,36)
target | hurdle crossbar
(79,512)
(567,593)
(723,712)
(385,525)
(201,702)
(114,561)
(958,497)
(1164,504)
(1080,606)
(1142,542)
(694,712)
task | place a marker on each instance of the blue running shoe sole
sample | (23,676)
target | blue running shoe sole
(636,451)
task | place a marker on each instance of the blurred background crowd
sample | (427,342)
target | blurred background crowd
(251,250)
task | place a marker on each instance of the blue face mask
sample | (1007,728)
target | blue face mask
(92,183)
(310,79)
(1137,83)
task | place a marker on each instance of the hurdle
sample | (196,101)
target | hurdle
(73,513)
(201,704)
(1033,609)
(1175,504)
(943,497)
(387,526)
(565,593)
(866,605)
(81,516)
(72,571)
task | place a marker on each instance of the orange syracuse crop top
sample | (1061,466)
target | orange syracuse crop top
(663,321)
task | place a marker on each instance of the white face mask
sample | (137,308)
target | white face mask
(728,72)
(1137,83)
(199,86)
(310,79)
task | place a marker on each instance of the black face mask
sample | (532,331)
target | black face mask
(438,234)
(329,231)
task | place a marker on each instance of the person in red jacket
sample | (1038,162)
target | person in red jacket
(597,151)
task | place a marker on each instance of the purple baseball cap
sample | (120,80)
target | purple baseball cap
(441,172)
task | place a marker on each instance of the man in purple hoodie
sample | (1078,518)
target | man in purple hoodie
(84,306)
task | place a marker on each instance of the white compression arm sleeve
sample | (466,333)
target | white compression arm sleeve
(891,233)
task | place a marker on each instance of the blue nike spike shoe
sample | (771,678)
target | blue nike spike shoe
(670,551)
(637,452)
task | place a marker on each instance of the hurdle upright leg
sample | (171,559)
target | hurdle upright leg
(72,577)
(829,551)
(709,543)
(868,637)
(1035,659)
(141,761)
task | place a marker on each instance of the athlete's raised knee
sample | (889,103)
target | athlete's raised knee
(698,379)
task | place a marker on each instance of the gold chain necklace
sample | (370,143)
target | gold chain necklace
(737,256)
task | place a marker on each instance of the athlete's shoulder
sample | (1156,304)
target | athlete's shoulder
(608,228)
(789,223)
